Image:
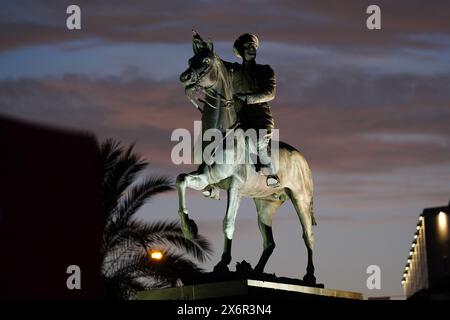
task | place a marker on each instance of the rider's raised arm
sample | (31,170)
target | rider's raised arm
(266,84)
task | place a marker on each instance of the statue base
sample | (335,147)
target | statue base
(245,271)
(245,283)
(247,289)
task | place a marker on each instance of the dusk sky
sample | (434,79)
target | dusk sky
(369,109)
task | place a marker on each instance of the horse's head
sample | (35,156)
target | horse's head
(202,71)
(207,75)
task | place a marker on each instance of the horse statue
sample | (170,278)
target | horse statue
(208,73)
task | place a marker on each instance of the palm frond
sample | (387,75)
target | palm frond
(199,248)
(174,266)
(129,165)
(135,264)
(170,234)
(120,168)
(110,151)
(162,234)
(126,242)
(139,194)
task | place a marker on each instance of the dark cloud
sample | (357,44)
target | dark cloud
(310,22)
(336,119)
(140,111)
(388,123)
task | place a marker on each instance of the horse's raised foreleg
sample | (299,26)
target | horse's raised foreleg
(266,210)
(233,200)
(194,180)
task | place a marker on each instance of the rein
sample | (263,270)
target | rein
(216,95)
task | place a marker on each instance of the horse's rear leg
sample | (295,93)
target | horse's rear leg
(303,208)
(266,209)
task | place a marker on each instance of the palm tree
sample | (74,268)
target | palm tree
(128,243)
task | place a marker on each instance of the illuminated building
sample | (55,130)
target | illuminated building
(427,271)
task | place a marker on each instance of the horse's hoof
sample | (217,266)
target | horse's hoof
(258,270)
(221,268)
(309,279)
(189,228)
(193,229)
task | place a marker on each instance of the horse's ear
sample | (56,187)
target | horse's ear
(197,42)
(210,45)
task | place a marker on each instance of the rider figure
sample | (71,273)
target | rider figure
(254,85)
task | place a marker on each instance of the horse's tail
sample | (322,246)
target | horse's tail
(311,201)
(306,181)
(311,212)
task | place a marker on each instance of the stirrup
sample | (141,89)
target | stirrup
(273,181)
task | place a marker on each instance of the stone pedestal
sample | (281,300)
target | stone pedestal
(247,289)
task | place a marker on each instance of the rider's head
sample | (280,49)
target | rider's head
(245,46)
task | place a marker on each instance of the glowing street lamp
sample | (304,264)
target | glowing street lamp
(156,255)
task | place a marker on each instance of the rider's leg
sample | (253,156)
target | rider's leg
(265,158)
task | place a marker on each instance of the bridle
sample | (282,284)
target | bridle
(216,95)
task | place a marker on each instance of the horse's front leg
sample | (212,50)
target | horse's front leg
(194,180)
(233,200)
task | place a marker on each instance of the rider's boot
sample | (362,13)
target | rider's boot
(272,179)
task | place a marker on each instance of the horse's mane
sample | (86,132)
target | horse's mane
(228,87)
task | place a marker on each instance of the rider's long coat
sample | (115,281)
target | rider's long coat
(258,83)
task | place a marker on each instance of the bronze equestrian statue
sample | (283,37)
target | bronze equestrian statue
(208,73)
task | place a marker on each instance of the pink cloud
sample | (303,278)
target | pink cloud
(323,22)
